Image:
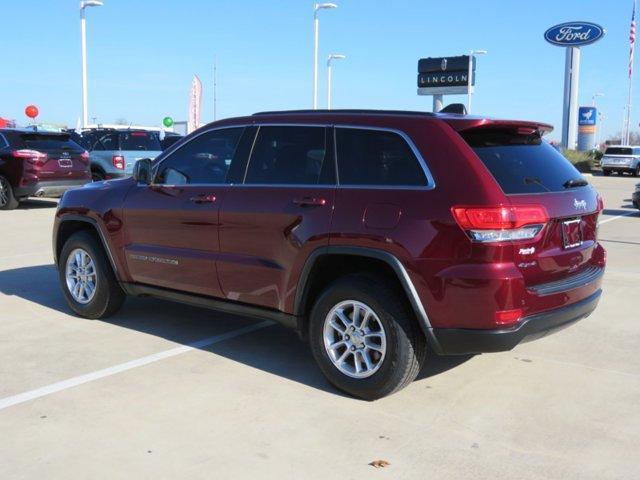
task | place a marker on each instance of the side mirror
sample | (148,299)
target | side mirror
(142,171)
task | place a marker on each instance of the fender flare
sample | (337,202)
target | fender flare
(95,225)
(391,260)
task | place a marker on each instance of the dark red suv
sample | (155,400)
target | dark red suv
(39,164)
(377,235)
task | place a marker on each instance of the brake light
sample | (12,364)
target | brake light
(32,156)
(84,157)
(118,162)
(501,223)
(600,203)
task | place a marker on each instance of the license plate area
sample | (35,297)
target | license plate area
(572,233)
(65,163)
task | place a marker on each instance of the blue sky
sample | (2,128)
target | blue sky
(143,53)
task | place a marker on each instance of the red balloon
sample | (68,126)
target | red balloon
(31,111)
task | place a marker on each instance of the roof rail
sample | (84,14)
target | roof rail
(346,112)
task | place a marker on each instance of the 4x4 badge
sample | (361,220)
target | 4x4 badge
(579,204)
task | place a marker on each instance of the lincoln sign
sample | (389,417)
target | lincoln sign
(444,75)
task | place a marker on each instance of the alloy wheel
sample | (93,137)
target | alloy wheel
(4,191)
(354,339)
(81,276)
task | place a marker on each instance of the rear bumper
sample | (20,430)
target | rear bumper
(51,188)
(619,168)
(460,341)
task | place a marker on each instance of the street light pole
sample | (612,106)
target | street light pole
(316,25)
(470,75)
(329,76)
(83,34)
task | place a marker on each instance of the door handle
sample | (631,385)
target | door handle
(203,199)
(310,202)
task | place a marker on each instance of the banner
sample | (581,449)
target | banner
(195,105)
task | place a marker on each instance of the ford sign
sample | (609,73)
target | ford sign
(574,34)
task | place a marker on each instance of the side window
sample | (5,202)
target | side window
(204,160)
(376,157)
(3,142)
(289,156)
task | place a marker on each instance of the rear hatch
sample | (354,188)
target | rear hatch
(533,173)
(619,156)
(57,157)
(138,144)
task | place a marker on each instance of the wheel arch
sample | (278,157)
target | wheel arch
(307,286)
(70,224)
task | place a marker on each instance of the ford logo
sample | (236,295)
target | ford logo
(574,34)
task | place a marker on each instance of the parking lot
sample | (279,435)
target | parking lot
(163,390)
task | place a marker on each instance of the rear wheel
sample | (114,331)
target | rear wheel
(87,280)
(97,176)
(636,172)
(606,173)
(8,201)
(365,338)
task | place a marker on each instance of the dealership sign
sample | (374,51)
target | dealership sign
(574,34)
(445,75)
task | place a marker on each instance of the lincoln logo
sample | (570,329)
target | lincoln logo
(579,204)
(444,64)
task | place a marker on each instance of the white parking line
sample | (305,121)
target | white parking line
(106,372)
(616,217)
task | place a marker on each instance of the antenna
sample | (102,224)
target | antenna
(214,89)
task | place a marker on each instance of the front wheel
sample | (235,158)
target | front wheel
(365,337)
(87,280)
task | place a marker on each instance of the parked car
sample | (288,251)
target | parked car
(39,164)
(621,159)
(635,196)
(113,152)
(377,235)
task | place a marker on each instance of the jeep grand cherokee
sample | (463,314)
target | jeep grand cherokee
(376,234)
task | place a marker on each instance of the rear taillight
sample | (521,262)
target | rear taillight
(600,203)
(501,223)
(118,162)
(32,156)
(84,157)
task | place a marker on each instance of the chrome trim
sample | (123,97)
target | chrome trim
(579,280)
(431,183)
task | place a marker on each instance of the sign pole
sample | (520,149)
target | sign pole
(570,104)
(438,103)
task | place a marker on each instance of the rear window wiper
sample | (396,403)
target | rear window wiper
(535,181)
(575,182)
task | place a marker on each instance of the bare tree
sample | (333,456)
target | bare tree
(121,121)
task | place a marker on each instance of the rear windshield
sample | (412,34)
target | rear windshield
(48,143)
(521,163)
(139,141)
(619,151)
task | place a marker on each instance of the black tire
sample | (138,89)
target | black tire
(8,201)
(108,296)
(636,172)
(606,173)
(97,176)
(406,344)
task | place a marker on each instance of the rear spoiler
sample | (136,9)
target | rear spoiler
(470,123)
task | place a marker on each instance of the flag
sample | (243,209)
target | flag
(195,104)
(632,39)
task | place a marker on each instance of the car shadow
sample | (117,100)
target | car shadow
(618,211)
(36,203)
(276,349)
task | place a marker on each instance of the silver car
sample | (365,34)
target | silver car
(621,159)
(113,152)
